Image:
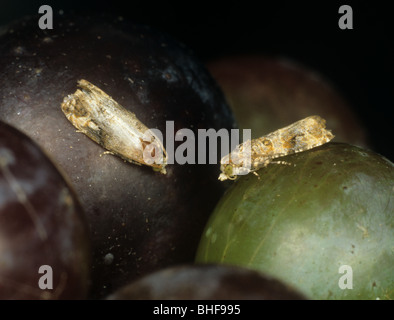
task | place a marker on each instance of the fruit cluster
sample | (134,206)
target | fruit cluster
(77,224)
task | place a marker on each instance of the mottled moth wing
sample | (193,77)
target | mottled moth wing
(118,130)
(302,135)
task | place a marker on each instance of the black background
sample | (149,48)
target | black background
(359,62)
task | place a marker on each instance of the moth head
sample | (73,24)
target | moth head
(227,172)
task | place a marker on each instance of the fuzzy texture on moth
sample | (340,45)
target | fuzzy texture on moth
(116,129)
(254,154)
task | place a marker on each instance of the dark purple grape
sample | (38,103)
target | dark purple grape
(41,224)
(206,282)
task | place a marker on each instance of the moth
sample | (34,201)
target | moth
(116,129)
(254,154)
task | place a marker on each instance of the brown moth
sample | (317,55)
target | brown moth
(254,154)
(116,129)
